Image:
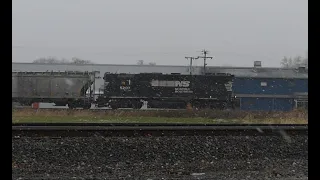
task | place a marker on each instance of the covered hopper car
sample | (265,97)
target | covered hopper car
(61,88)
(167,91)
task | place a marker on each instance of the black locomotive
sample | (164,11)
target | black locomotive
(172,91)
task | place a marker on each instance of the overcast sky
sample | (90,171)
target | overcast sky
(236,32)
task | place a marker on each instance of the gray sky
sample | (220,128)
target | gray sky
(163,31)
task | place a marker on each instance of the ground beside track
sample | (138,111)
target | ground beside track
(178,157)
(113,119)
(164,116)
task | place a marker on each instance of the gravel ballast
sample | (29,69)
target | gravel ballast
(176,157)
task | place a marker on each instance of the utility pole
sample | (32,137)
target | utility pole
(204,52)
(191,59)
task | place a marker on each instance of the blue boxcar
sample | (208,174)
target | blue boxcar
(273,94)
(266,104)
(273,86)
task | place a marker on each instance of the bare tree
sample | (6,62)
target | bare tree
(49,60)
(80,61)
(140,62)
(286,62)
(65,61)
(305,60)
(294,62)
(297,61)
(53,60)
(152,64)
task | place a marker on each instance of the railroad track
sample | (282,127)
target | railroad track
(59,151)
(154,129)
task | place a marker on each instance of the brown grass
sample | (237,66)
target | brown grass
(161,116)
(211,114)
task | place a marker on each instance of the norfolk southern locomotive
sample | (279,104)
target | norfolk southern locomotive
(172,91)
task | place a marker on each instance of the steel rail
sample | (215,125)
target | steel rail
(156,129)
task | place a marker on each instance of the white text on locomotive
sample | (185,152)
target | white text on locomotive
(157,83)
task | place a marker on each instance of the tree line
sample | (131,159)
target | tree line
(74,60)
(53,60)
(286,62)
(289,62)
(141,62)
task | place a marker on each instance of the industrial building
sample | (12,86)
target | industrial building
(256,87)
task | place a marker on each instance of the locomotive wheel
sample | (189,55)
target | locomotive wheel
(196,105)
(87,106)
(71,106)
(114,106)
(213,106)
(223,106)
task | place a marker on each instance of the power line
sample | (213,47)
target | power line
(191,59)
(204,52)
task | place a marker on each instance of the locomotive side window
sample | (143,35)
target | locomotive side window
(126,82)
(125,85)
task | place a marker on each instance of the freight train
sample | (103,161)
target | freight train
(171,91)
(167,91)
(60,88)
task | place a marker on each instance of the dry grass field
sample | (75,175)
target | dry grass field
(159,116)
